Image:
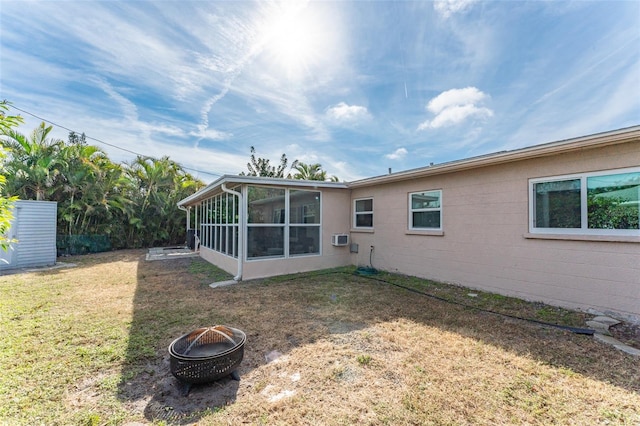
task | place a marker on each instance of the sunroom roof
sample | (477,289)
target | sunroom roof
(229,180)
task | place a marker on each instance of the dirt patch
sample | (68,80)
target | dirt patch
(171,400)
(627,333)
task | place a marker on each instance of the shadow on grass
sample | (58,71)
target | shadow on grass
(280,314)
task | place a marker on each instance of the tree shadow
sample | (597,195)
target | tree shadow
(284,313)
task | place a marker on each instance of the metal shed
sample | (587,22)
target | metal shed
(34,226)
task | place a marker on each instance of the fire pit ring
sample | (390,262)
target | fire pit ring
(207,354)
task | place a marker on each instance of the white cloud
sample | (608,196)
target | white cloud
(128,108)
(347,114)
(454,97)
(456,106)
(446,8)
(212,134)
(398,154)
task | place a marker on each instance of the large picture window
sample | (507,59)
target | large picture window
(602,203)
(425,210)
(282,222)
(363,213)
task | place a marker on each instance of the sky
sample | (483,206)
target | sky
(359,87)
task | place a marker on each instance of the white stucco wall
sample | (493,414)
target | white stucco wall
(485,243)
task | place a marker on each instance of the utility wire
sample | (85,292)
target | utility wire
(107,143)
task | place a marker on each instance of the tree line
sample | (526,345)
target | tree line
(133,203)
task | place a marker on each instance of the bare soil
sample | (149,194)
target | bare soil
(627,333)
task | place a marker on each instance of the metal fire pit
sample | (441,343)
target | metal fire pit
(207,354)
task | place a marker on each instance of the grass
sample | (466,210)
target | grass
(88,346)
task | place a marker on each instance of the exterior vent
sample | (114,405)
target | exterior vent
(340,239)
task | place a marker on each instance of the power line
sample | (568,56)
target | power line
(107,143)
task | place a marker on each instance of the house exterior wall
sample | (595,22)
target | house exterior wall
(222,261)
(485,242)
(34,226)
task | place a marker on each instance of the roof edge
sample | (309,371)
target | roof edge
(259,180)
(602,139)
(542,150)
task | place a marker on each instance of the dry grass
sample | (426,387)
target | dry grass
(88,345)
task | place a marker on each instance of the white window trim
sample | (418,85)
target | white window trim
(355,214)
(432,209)
(583,230)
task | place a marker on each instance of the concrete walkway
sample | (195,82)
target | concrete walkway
(166,253)
(601,326)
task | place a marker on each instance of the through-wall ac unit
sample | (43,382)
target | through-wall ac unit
(340,239)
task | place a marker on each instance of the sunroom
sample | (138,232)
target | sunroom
(256,227)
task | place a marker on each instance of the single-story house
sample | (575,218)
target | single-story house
(556,223)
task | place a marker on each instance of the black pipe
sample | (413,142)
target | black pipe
(576,330)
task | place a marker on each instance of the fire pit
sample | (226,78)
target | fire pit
(207,354)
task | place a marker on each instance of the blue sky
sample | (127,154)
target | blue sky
(359,87)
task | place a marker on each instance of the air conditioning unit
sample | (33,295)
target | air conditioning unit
(340,239)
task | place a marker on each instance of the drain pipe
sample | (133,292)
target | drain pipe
(187,210)
(240,229)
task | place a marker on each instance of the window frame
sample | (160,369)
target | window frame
(303,223)
(584,229)
(411,210)
(215,233)
(366,212)
(284,216)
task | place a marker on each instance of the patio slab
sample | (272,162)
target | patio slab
(166,253)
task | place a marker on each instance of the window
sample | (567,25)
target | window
(304,222)
(282,222)
(602,203)
(425,210)
(265,222)
(363,213)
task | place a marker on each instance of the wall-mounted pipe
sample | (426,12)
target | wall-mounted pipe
(188,211)
(238,277)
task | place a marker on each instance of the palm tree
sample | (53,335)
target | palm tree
(90,191)
(160,184)
(34,163)
(6,203)
(312,172)
(134,204)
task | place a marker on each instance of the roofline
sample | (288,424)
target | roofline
(259,180)
(543,150)
(613,137)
